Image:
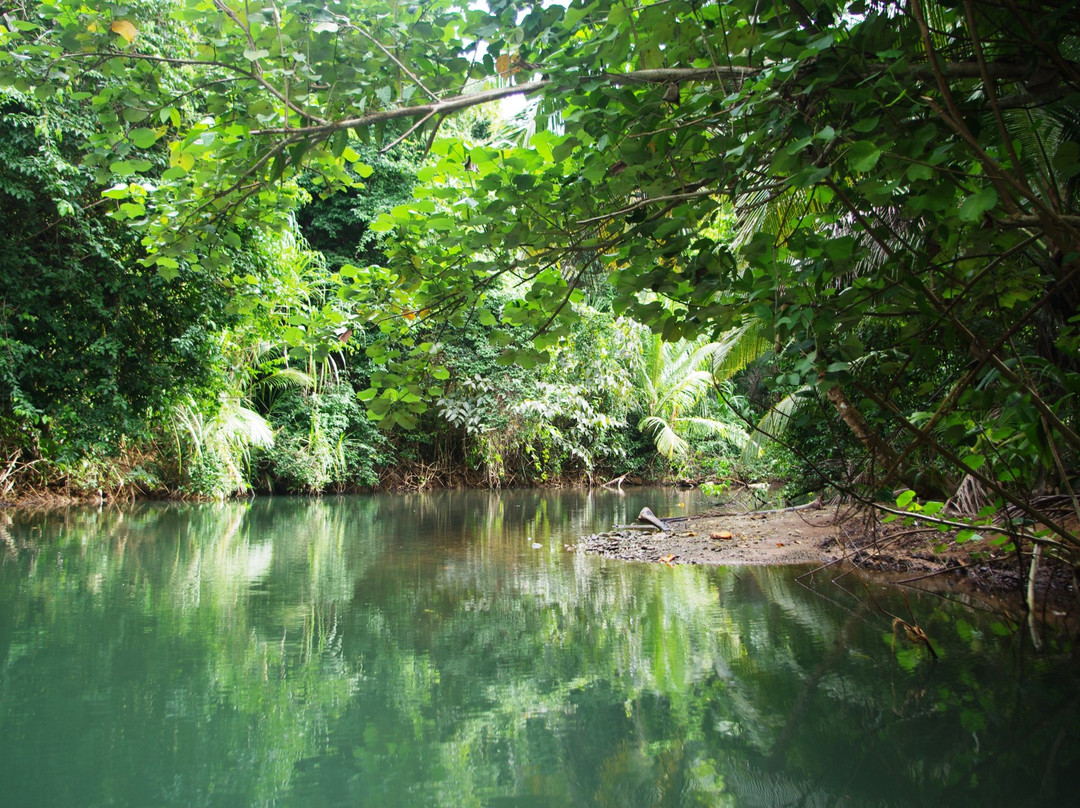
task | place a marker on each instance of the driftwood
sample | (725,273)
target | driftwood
(647,515)
(663,523)
(816,505)
(617,481)
(653,521)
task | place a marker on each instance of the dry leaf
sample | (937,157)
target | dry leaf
(502,65)
(668,559)
(723,534)
(124,29)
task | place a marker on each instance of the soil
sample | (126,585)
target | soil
(791,537)
(845,538)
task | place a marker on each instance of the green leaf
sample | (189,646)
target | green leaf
(1067,159)
(406,420)
(143,138)
(131,210)
(384,224)
(119,191)
(1000,629)
(863,155)
(974,461)
(905,498)
(255,55)
(919,171)
(865,125)
(124,168)
(973,208)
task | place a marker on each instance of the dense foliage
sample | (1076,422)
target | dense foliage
(95,345)
(883,193)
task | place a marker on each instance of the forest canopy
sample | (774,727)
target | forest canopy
(879,199)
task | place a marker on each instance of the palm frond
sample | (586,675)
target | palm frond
(283,378)
(667,440)
(738,348)
(776,422)
(243,427)
(698,425)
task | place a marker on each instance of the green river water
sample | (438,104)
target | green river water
(423,651)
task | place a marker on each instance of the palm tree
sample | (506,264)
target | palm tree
(671,386)
(219,444)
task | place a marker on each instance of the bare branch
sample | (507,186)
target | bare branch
(441,108)
(396,61)
(652,200)
(408,132)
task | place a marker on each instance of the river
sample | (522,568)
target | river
(447,649)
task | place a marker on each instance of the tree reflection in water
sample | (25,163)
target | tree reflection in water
(419,650)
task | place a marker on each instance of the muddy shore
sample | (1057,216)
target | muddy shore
(830,536)
(792,537)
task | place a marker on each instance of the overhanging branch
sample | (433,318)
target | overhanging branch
(447,107)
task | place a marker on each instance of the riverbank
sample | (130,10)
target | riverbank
(822,536)
(790,537)
(837,536)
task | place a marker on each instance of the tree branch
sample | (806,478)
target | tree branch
(396,61)
(440,108)
(247,74)
(652,200)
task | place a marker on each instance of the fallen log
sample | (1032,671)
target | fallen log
(816,505)
(654,522)
(647,515)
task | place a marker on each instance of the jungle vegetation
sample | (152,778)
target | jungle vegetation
(280,244)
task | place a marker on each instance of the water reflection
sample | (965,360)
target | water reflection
(421,650)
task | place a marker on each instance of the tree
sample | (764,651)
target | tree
(919,160)
(672,382)
(891,150)
(93,346)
